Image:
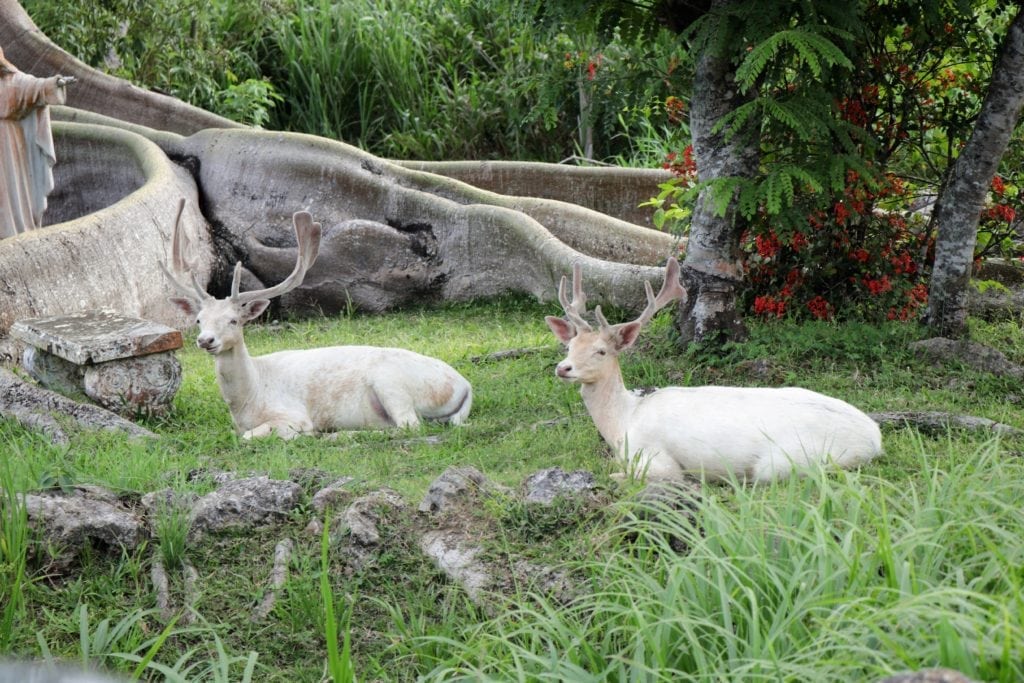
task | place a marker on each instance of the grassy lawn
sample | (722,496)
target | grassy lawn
(914,561)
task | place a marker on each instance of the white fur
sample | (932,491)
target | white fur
(750,433)
(325,389)
(316,390)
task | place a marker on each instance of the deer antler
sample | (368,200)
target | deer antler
(670,291)
(307,235)
(574,311)
(180,264)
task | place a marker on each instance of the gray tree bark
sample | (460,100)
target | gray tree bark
(959,207)
(712,270)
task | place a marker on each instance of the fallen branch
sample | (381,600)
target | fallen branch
(278,575)
(934,422)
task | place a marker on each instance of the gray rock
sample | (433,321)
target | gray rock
(552,582)
(679,495)
(546,485)
(972,354)
(365,514)
(157,503)
(245,504)
(95,337)
(928,676)
(36,408)
(144,385)
(935,422)
(455,486)
(332,495)
(36,672)
(68,521)
(457,557)
(662,500)
(124,364)
(53,372)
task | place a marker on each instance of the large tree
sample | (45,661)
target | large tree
(967,184)
(712,270)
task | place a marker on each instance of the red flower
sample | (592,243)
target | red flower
(767,245)
(879,286)
(820,308)
(998,186)
(860,254)
(798,241)
(675,108)
(768,305)
(918,293)
(842,213)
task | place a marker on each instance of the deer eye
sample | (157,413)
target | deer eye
(197,321)
(233,321)
(601,352)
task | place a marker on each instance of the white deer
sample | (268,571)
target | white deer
(755,434)
(314,390)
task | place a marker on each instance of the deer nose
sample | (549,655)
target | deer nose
(205,341)
(563,370)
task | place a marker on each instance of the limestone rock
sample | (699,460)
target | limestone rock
(935,422)
(928,676)
(454,555)
(365,514)
(146,384)
(455,486)
(38,408)
(972,354)
(244,504)
(332,495)
(94,337)
(124,364)
(546,485)
(68,521)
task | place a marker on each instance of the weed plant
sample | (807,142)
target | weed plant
(913,561)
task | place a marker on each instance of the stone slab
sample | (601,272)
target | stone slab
(96,336)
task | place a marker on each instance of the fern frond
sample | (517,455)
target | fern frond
(809,46)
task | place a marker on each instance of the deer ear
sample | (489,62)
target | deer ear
(563,330)
(625,334)
(253,309)
(189,306)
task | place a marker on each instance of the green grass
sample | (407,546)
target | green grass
(914,561)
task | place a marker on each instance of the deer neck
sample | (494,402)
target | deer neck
(610,406)
(237,376)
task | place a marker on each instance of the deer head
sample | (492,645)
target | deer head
(593,354)
(220,320)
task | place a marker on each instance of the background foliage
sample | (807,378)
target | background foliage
(861,107)
(430,79)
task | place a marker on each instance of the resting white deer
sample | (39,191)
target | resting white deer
(753,433)
(314,390)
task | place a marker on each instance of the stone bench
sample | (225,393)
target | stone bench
(124,364)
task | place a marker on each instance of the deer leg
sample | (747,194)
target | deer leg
(651,467)
(284,429)
(395,407)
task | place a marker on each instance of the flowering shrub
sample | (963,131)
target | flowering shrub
(998,230)
(851,259)
(830,226)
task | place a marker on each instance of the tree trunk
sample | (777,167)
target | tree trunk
(712,270)
(960,202)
